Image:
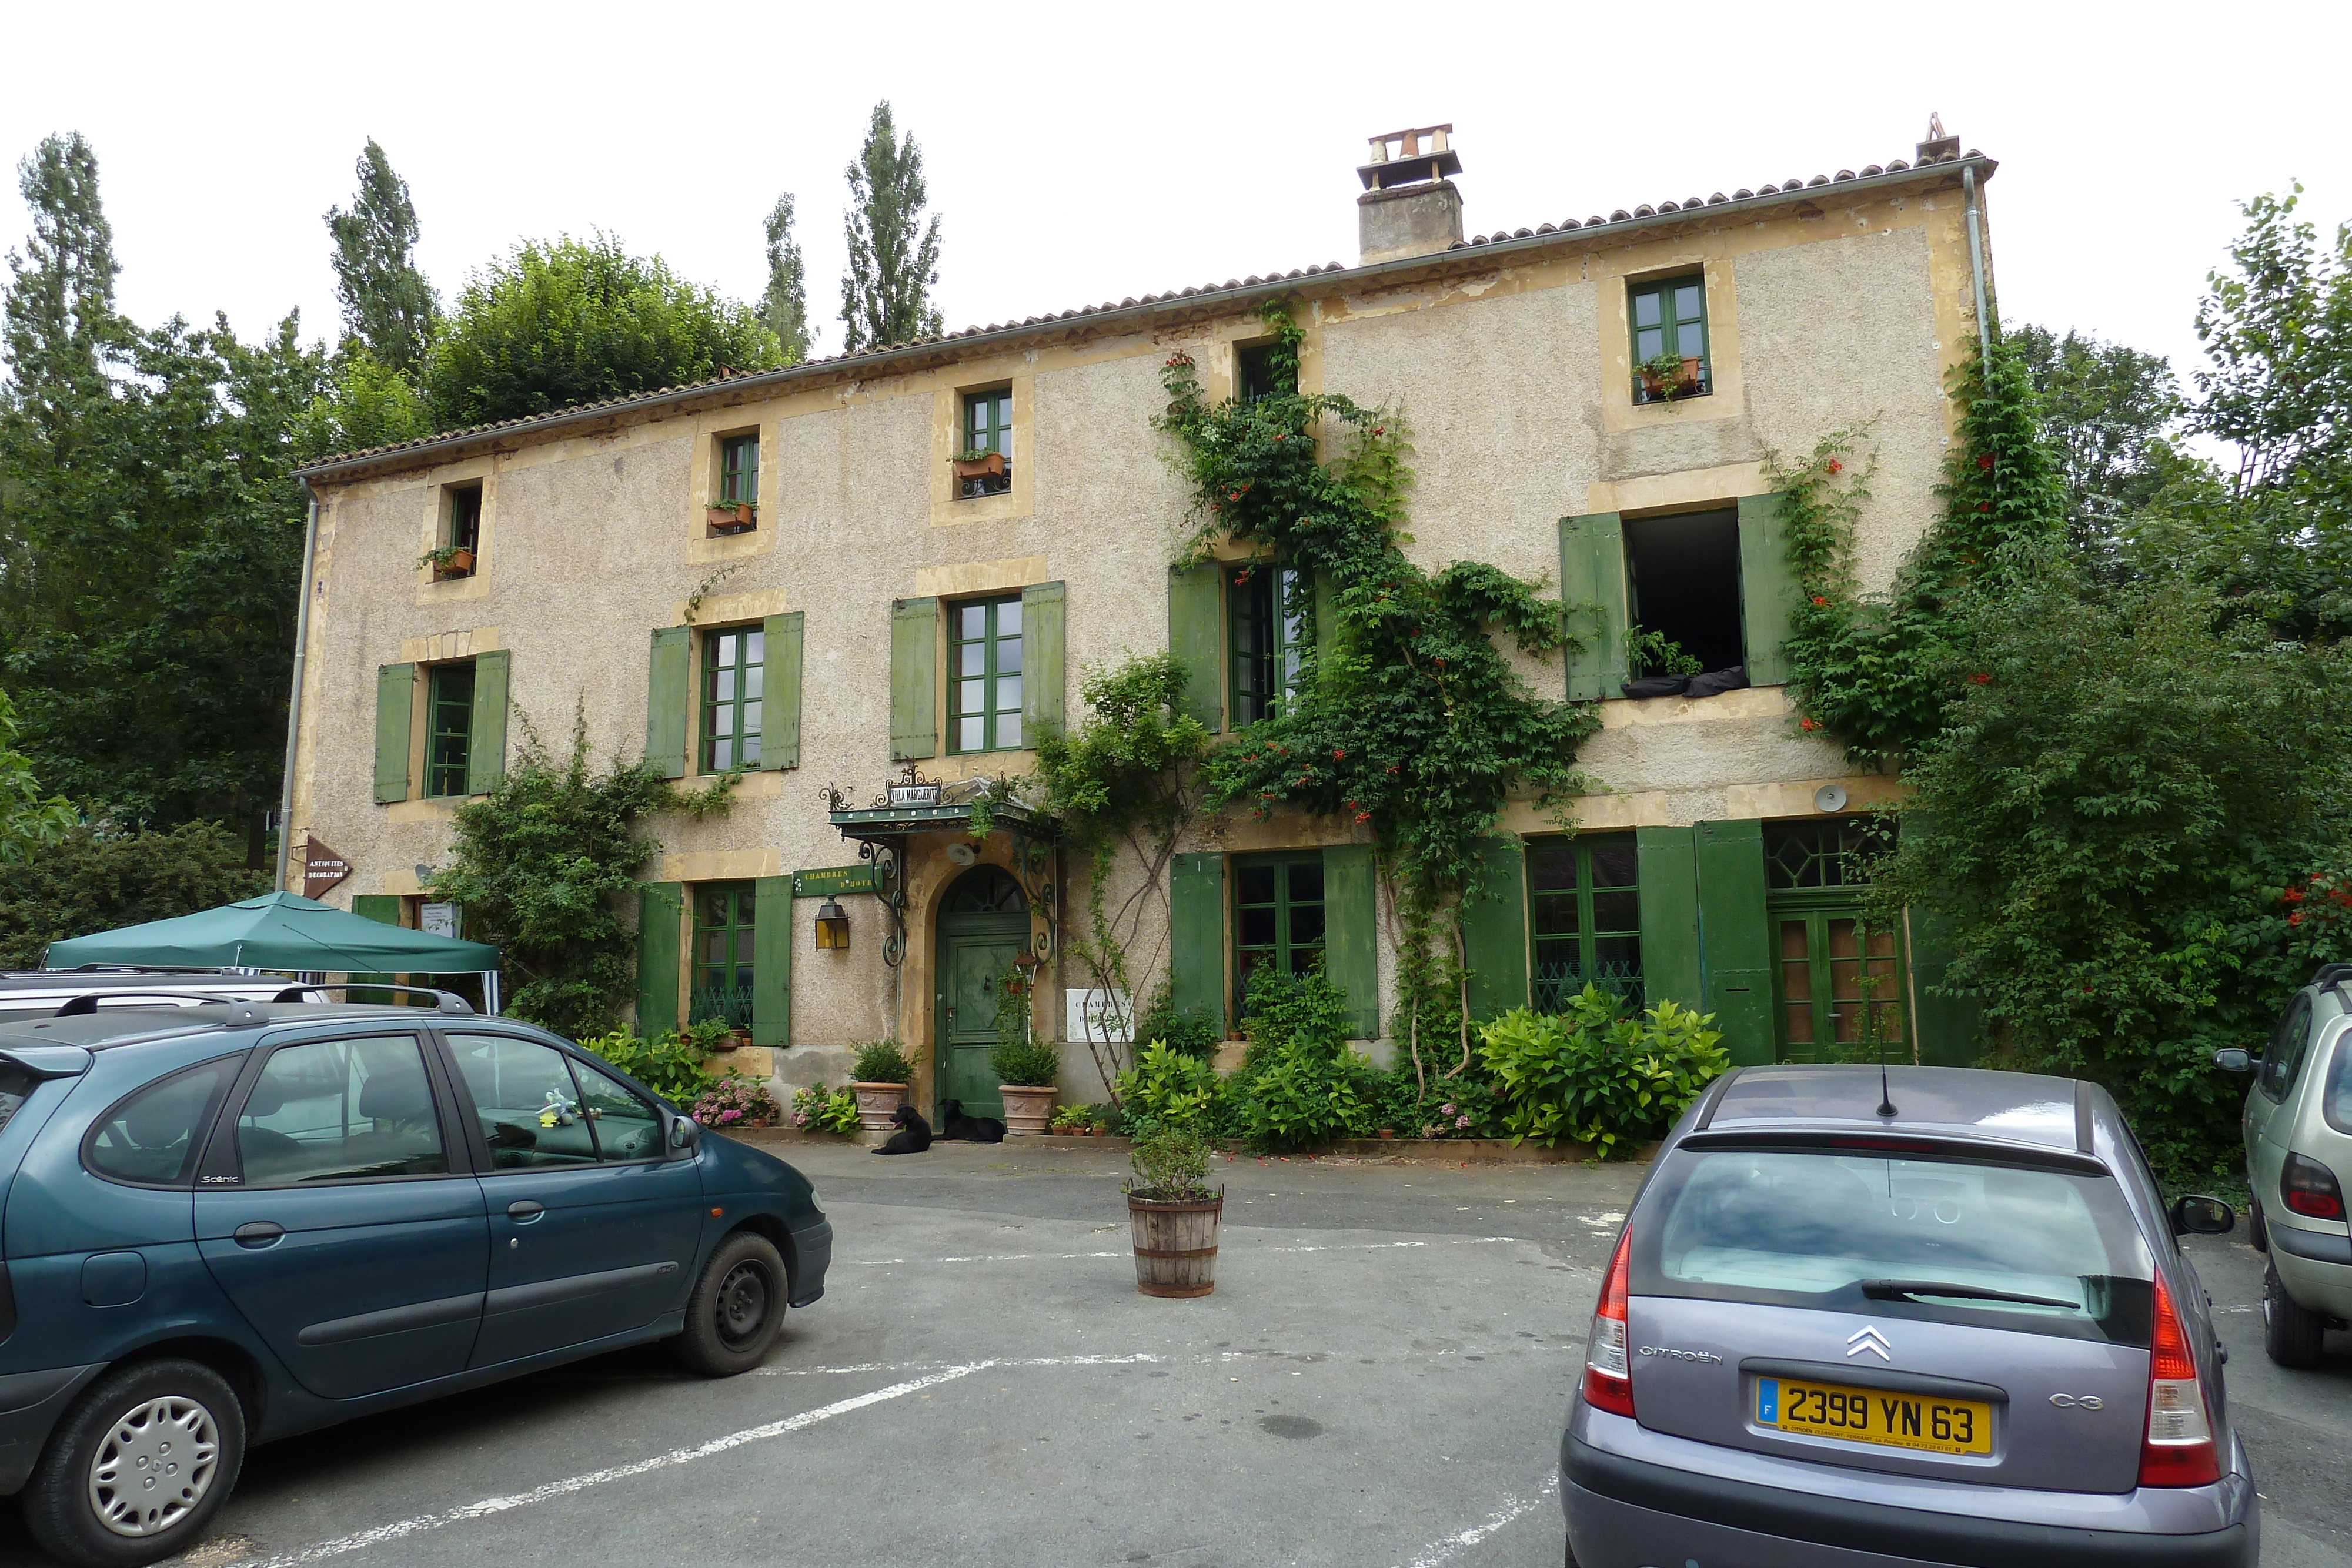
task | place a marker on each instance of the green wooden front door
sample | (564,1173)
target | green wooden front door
(983,926)
(1839,985)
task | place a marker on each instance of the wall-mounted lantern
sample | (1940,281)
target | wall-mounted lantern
(832,928)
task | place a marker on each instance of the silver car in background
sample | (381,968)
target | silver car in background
(2298,1131)
(1940,1317)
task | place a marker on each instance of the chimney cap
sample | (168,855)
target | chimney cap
(1938,148)
(1421,153)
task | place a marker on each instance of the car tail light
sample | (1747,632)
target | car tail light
(1608,1373)
(2310,1189)
(2178,1450)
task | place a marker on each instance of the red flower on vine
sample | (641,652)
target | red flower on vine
(1380,430)
(1836,466)
(1807,724)
(1338,755)
(1363,816)
(1394,766)
(1819,599)
(1985,461)
(1984,505)
(2296,919)
(1981,680)
(2292,895)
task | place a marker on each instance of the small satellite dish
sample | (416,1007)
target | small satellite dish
(963,854)
(1830,798)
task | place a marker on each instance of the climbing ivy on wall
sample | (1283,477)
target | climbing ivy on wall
(1407,717)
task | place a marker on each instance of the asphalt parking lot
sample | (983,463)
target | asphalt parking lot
(1378,1382)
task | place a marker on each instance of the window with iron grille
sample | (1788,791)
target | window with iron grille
(1268,620)
(1669,322)
(734,666)
(988,427)
(723,941)
(1277,916)
(1585,918)
(449,717)
(984,675)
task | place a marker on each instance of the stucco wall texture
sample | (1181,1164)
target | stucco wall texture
(1513,382)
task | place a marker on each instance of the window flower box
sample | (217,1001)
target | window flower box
(1664,379)
(449,561)
(732,517)
(979,465)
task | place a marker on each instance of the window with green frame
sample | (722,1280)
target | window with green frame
(738,470)
(723,943)
(1669,318)
(450,718)
(465,522)
(1584,905)
(988,427)
(734,664)
(1277,916)
(1265,371)
(1838,980)
(1268,621)
(984,675)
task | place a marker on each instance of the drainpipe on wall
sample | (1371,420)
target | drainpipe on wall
(294,698)
(1975,261)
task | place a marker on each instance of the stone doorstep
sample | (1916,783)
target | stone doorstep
(1440,1151)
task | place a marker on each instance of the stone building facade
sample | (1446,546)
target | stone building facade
(789,570)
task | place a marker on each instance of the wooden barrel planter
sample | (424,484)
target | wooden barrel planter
(1175,1245)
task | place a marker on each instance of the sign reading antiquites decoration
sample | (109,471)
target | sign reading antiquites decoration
(321,868)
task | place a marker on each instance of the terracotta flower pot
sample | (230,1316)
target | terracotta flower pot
(1175,1245)
(733,518)
(877,1102)
(460,564)
(1387,1133)
(1026,1110)
(988,465)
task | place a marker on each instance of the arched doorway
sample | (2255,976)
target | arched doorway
(984,925)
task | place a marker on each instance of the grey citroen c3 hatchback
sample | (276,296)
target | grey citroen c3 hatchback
(1940,1318)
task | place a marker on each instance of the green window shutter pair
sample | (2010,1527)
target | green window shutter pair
(486,741)
(1495,931)
(914,662)
(1196,897)
(670,696)
(1706,939)
(1592,593)
(396,699)
(1196,636)
(772,960)
(661,908)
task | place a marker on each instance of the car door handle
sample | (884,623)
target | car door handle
(522,1209)
(258,1233)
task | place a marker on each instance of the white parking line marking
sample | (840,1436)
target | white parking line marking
(1513,1507)
(1064,1256)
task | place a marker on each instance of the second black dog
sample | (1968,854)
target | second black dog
(971,1129)
(913,1137)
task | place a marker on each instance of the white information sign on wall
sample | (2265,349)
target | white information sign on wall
(1103,1017)
(438,919)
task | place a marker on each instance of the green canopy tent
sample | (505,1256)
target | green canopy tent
(284,932)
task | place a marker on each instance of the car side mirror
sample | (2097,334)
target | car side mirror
(2195,1215)
(685,1133)
(2233,1059)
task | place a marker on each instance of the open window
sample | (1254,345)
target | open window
(1683,576)
(1269,623)
(735,491)
(457,552)
(449,728)
(1264,370)
(984,466)
(1670,348)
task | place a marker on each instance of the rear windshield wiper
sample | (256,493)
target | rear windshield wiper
(1899,1289)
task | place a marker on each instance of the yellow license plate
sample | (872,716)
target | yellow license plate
(1874,1416)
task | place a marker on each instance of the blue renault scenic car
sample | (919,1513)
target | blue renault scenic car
(225,1223)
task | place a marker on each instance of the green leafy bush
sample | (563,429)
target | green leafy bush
(671,1066)
(883,1061)
(1195,1033)
(1024,1064)
(1591,1075)
(1281,1009)
(1304,1097)
(90,879)
(1169,1087)
(1172,1166)
(817,1109)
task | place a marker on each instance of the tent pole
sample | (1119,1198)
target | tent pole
(491,992)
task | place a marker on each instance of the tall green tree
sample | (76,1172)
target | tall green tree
(389,308)
(99,878)
(570,321)
(894,255)
(785,308)
(60,319)
(2107,415)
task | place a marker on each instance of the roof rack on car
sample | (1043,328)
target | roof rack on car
(242,1012)
(445,1001)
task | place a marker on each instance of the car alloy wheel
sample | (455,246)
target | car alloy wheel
(154,1466)
(742,1305)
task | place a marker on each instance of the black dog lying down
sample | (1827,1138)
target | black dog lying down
(972,1129)
(913,1137)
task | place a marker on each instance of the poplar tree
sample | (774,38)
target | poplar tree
(60,317)
(894,255)
(388,306)
(785,308)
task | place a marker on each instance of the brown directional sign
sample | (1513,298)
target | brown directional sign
(321,869)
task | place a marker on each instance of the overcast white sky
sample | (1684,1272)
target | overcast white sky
(1087,153)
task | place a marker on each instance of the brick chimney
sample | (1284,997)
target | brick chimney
(1409,206)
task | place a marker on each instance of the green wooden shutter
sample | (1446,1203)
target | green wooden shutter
(669,696)
(383,907)
(1768,589)
(1592,590)
(1495,931)
(395,696)
(1044,631)
(1196,897)
(1669,905)
(1350,922)
(660,908)
(779,690)
(1734,938)
(1947,1030)
(772,957)
(1196,635)
(914,678)
(486,743)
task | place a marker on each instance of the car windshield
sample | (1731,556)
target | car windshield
(2035,1250)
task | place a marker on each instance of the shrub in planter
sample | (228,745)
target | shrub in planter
(737,1100)
(1592,1075)
(1024,1064)
(1172,1088)
(817,1109)
(884,1062)
(1173,1212)
(671,1066)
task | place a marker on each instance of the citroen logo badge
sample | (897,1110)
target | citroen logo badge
(1871,1340)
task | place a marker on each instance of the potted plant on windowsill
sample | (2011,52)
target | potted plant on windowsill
(448,560)
(732,517)
(979,463)
(1173,1212)
(1665,377)
(880,1078)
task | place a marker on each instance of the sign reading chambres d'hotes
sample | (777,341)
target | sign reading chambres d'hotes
(833,881)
